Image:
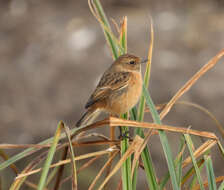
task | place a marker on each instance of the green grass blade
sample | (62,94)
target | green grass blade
(123,36)
(164,181)
(146,157)
(189,145)
(194,180)
(126,166)
(191,171)
(149,169)
(21,155)
(102,15)
(135,176)
(133,113)
(141,109)
(72,155)
(29,151)
(52,175)
(49,158)
(178,165)
(221,187)
(151,106)
(221,148)
(210,173)
(163,139)
(179,161)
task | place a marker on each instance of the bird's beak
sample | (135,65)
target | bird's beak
(144,60)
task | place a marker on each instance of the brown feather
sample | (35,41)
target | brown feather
(109,83)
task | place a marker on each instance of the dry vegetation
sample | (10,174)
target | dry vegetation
(127,155)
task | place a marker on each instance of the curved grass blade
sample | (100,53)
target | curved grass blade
(107,164)
(210,173)
(19,182)
(194,179)
(221,187)
(189,144)
(126,166)
(101,17)
(141,107)
(32,150)
(50,156)
(146,157)
(191,171)
(178,165)
(179,161)
(221,148)
(218,180)
(212,62)
(72,155)
(135,145)
(207,112)
(163,139)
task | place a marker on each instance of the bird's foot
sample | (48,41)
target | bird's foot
(123,135)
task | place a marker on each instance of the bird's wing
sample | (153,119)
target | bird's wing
(109,83)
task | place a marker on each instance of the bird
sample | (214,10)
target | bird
(118,90)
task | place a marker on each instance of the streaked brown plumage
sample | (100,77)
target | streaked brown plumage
(118,90)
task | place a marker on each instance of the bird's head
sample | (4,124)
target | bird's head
(128,62)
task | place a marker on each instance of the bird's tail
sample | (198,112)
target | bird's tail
(86,117)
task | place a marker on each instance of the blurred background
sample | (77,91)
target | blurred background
(53,52)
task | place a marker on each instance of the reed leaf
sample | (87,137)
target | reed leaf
(43,177)
(210,173)
(189,145)
(163,139)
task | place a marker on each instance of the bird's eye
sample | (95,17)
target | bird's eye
(132,62)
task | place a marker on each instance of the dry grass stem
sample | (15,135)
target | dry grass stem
(84,166)
(13,146)
(189,83)
(138,152)
(63,162)
(98,135)
(131,149)
(206,111)
(28,168)
(199,163)
(72,156)
(33,186)
(88,163)
(119,185)
(218,124)
(115,25)
(218,180)
(105,28)
(95,143)
(16,171)
(118,45)
(199,151)
(121,122)
(108,164)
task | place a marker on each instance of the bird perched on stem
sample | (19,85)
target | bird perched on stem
(118,90)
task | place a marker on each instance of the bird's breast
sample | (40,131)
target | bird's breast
(134,90)
(128,97)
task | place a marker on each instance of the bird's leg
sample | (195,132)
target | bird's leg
(123,135)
